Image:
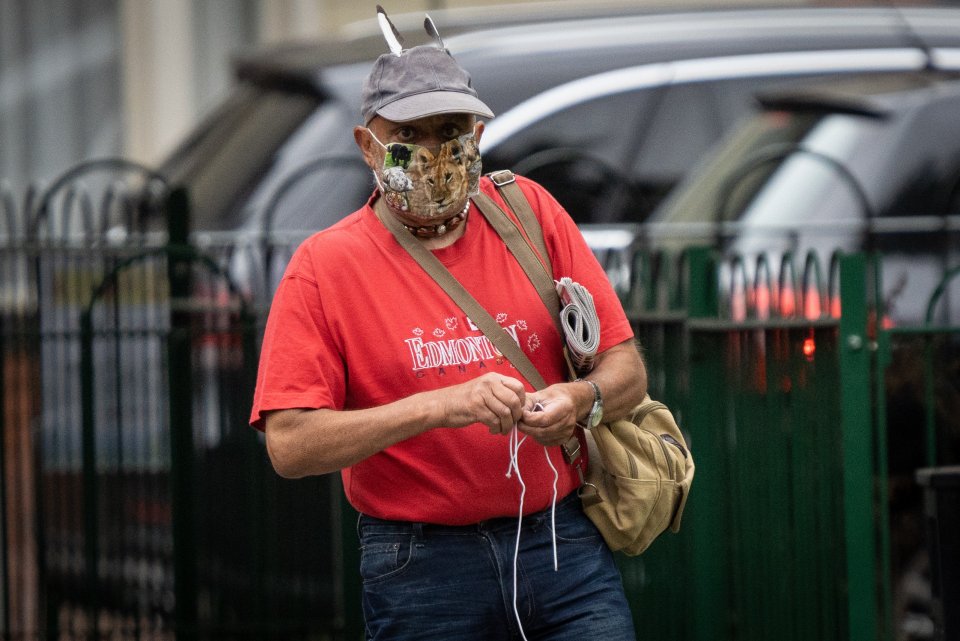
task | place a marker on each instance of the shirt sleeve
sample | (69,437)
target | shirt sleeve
(301,365)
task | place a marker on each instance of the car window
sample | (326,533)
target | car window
(316,178)
(821,178)
(790,181)
(927,161)
(583,153)
(615,158)
(735,169)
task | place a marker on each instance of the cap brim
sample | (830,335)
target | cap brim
(432,103)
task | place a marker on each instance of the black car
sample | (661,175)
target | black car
(608,112)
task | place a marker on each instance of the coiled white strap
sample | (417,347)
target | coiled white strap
(581,326)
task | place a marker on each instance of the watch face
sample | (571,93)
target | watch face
(596,414)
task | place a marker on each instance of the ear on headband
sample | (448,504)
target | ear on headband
(393,37)
(390,33)
(431,30)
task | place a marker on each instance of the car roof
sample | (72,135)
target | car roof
(363,41)
(609,31)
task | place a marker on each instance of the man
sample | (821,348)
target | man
(369,368)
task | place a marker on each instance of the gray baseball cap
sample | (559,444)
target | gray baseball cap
(421,81)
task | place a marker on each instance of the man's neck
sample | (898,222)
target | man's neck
(439,242)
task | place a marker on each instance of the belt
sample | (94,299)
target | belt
(487,525)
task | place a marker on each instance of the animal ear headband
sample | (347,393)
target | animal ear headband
(393,37)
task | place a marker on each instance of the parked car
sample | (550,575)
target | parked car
(607,112)
(864,163)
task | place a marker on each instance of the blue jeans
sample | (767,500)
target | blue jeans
(423,581)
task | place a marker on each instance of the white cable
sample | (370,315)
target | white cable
(514,467)
(514,443)
(553,508)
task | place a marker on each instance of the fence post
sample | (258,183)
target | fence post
(180,385)
(858,447)
(4,561)
(707,518)
(91,509)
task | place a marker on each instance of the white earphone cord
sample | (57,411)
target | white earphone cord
(515,443)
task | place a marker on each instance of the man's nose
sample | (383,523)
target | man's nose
(432,141)
(432,145)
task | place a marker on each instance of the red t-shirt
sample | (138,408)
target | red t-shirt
(357,323)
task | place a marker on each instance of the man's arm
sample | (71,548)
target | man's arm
(304,442)
(622,378)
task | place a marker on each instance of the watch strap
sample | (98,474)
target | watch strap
(597,402)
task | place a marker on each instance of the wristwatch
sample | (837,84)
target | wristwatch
(596,412)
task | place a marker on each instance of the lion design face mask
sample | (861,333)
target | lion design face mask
(427,186)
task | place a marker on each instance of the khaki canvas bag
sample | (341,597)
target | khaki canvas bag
(640,468)
(638,477)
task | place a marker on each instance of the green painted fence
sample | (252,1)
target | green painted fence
(137,503)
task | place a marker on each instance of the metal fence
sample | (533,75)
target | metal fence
(137,504)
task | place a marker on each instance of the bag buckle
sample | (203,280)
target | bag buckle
(571,452)
(588,493)
(502,177)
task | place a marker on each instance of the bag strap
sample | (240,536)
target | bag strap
(524,253)
(506,183)
(521,244)
(572,449)
(536,264)
(481,318)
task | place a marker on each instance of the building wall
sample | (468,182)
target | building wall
(60,67)
(171,81)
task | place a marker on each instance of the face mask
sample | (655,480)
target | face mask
(426,186)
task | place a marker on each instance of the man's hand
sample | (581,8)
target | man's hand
(555,422)
(622,378)
(493,399)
